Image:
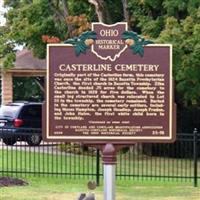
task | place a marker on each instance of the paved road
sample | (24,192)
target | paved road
(50,148)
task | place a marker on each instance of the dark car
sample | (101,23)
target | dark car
(21,122)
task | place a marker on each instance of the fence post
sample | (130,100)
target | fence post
(195,140)
(97,167)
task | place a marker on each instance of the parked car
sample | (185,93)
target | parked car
(21,121)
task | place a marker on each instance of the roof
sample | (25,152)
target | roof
(25,103)
(18,103)
(26,61)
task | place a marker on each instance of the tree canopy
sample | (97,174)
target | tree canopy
(33,23)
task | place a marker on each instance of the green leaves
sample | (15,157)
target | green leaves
(137,49)
(80,47)
(185,38)
(27,89)
(80,43)
(130,35)
(9,60)
(135,42)
(7,52)
(88,35)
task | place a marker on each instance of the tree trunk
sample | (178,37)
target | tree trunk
(66,14)
(61,14)
(40,83)
(103,14)
(125,11)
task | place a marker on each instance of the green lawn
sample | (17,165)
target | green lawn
(128,164)
(65,189)
(68,188)
(39,162)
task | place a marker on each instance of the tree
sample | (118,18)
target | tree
(176,22)
(33,23)
(185,37)
(7,53)
(29,20)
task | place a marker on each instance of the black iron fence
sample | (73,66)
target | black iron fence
(179,161)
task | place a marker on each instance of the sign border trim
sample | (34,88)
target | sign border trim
(114,138)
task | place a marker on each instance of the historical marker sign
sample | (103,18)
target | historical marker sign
(109,86)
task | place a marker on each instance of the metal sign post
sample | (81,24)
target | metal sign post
(109,162)
(109,182)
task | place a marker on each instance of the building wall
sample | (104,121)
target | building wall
(6,88)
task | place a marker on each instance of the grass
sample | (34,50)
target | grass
(65,189)
(60,163)
(39,162)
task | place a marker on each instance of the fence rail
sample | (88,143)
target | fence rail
(179,161)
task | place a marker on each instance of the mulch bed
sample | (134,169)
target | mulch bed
(8,181)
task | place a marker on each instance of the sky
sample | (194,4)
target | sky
(2,10)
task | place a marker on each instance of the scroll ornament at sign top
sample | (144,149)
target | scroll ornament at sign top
(135,42)
(82,43)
